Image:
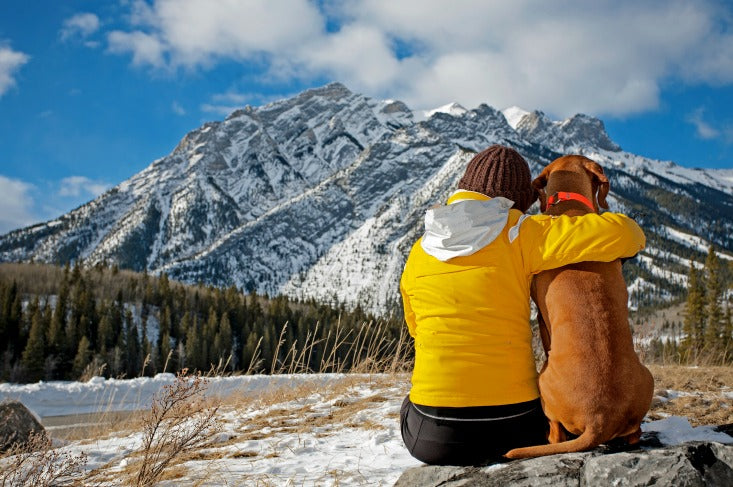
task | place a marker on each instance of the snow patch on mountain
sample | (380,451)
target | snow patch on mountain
(514,115)
(323,194)
(454,109)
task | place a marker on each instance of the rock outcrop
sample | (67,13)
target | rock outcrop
(690,464)
(17,424)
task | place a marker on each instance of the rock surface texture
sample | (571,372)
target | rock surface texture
(16,424)
(687,465)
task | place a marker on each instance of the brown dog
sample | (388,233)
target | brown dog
(592,383)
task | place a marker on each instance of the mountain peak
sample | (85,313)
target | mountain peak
(321,194)
(514,115)
(590,130)
(333,91)
(574,134)
(454,109)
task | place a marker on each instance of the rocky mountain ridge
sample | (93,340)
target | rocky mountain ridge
(321,196)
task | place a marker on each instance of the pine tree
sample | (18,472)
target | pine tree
(34,353)
(183,325)
(3,318)
(132,347)
(208,351)
(164,338)
(249,350)
(223,339)
(727,342)
(193,345)
(694,314)
(105,337)
(57,326)
(713,297)
(145,349)
(164,352)
(82,358)
(12,314)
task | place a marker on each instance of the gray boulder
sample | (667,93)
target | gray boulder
(17,424)
(690,464)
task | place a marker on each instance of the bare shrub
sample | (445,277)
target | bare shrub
(36,463)
(180,420)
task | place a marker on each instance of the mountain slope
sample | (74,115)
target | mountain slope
(321,195)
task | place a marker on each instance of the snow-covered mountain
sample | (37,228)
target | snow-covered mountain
(321,195)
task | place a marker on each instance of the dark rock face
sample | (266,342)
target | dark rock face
(690,464)
(16,424)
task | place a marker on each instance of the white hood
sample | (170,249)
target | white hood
(464,227)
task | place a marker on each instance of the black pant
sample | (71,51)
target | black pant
(472,435)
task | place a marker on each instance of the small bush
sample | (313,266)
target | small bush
(180,420)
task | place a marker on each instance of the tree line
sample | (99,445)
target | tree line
(707,325)
(65,323)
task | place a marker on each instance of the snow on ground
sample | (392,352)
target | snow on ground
(320,429)
(61,398)
(676,430)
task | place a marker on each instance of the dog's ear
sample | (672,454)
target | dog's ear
(538,185)
(601,180)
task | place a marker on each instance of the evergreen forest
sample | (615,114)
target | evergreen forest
(706,322)
(75,322)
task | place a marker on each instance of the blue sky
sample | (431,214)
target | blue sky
(92,92)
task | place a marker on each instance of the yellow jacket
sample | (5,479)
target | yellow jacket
(465,290)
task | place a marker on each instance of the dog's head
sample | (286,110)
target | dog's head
(573,173)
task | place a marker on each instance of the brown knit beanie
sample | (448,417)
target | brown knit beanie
(500,171)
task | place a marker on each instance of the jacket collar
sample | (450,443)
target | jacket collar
(464,194)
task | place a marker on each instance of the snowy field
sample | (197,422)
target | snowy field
(321,429)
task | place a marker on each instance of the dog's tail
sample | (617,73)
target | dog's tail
(587,440)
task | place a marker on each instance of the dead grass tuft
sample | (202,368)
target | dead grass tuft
(698,393)
(689,379)
(245,454)
(35,463)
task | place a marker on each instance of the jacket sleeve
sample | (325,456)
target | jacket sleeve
(409,313)
(549,242)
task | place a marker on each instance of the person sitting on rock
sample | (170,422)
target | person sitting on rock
(465,290)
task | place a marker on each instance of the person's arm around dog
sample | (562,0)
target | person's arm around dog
(549,242)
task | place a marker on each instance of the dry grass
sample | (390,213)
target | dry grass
(96,426)
(35,463)
(269,421)
(180,421)
(366,350)
(689,379)
(323,409)
(697,393)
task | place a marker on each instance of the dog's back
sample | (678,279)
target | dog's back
(593,383)
(593,378)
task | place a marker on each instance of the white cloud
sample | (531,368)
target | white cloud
(16,204)
(198,32)
(575,56)
(225,103)
(81,26)
(178,108)
(703,128)
(76,186)
(10,63)
(222,110)
(145,48)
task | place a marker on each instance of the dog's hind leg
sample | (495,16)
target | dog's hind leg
(557,433)
(633,438)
